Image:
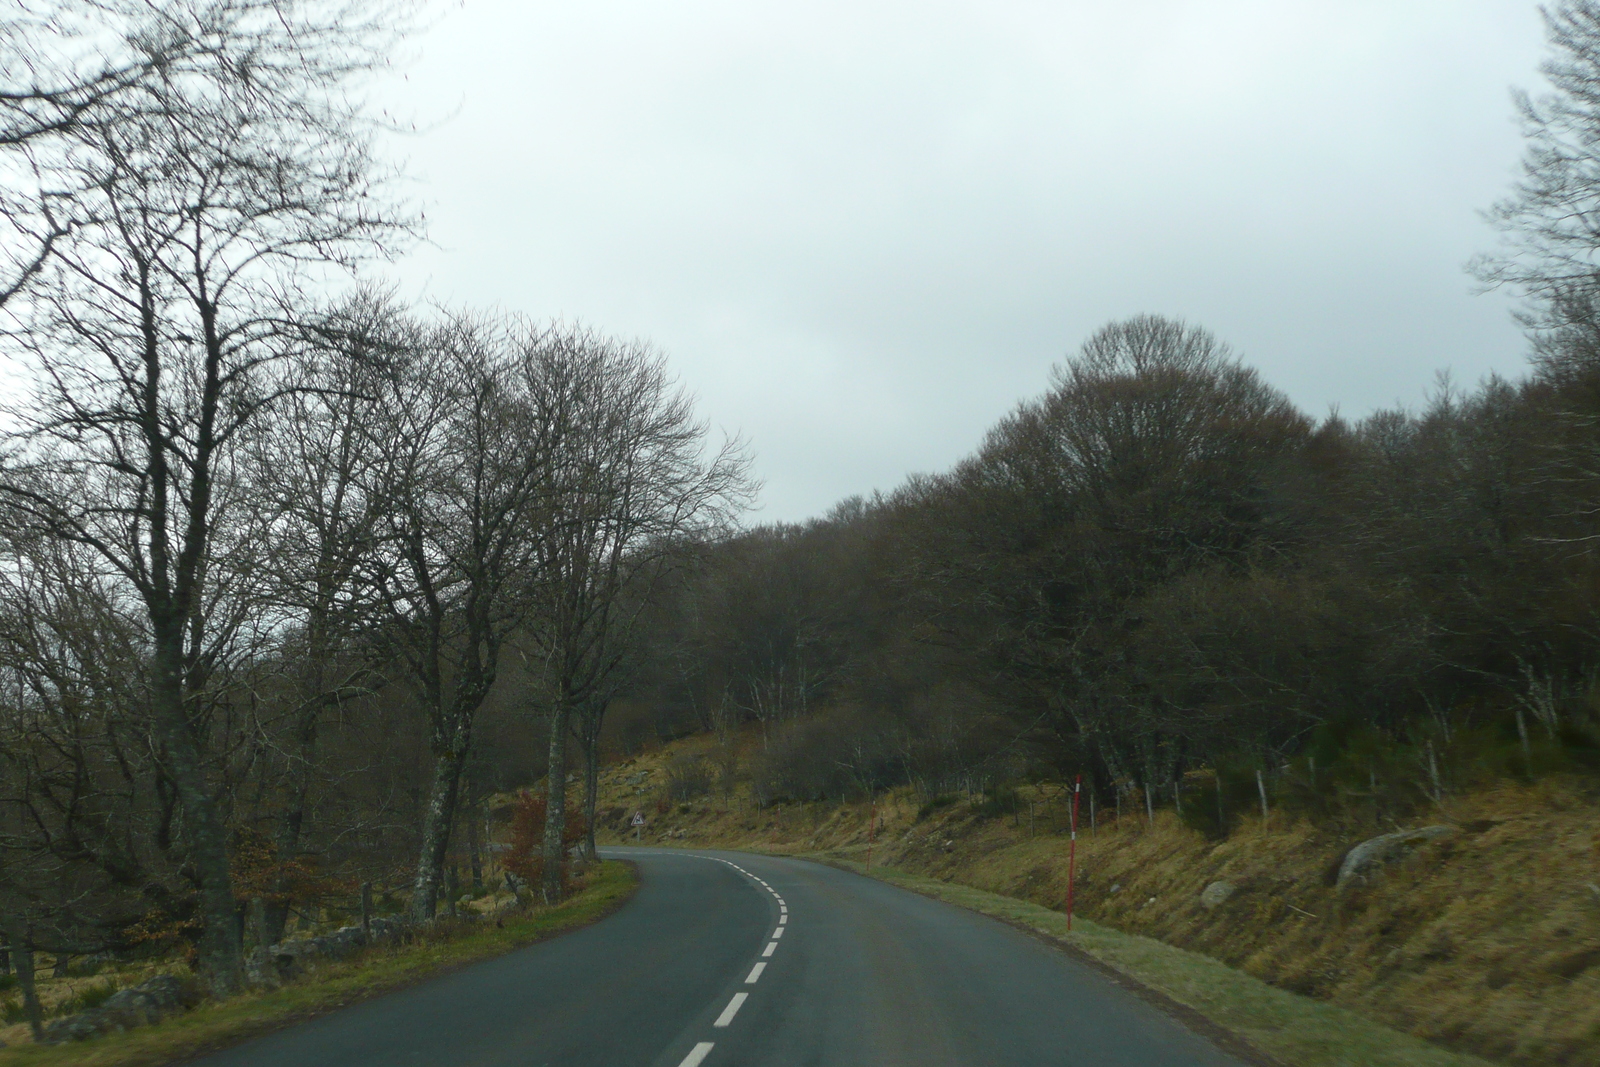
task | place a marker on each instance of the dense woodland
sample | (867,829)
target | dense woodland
(1162,576)
(293,576)
(1161,567)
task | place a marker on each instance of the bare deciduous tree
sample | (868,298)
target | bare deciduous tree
(191,209)
(631,477)
(1551,221)
(463,473)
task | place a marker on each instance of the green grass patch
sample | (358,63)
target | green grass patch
(1293,1029)
(88,997)
(334,985)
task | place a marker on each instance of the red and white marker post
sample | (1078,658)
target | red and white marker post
(1072,849)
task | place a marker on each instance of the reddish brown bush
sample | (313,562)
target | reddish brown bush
(525,859)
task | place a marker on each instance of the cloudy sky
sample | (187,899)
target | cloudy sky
(863,231)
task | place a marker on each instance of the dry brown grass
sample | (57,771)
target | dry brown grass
(1487,942)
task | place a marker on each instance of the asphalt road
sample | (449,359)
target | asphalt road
(730,959)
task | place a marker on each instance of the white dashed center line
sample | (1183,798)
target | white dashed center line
(697,1055)
(731,1010)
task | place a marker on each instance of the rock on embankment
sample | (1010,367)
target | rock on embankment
(271,965)
(150,1001)
(266,968)
(1365,862)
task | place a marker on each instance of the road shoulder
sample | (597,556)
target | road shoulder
(1245,1016)
(216,1026)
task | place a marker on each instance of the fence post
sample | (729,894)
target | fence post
(1149,804)
(366,911)
(1072,853)
(872,826)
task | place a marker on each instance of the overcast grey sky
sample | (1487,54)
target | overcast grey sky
(863,231)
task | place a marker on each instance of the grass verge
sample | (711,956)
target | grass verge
(1286,1027)
(335,985)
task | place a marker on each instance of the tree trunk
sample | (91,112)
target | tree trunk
(436,822)
(221,954)
(555,818)
(22,958)
(475,846)
(1522,734)
(591,789)
(275,909)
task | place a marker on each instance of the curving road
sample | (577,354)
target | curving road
(725,958)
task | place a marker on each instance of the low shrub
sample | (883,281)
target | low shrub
(999,800)
(934,803)
(688,777)
(88,997)
(525,857)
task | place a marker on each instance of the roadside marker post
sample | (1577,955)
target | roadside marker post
(1072,849)
(872,826)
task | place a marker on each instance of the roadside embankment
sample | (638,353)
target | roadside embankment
(336,983)
(1484,939)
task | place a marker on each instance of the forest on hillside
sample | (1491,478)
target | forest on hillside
(1161,569)
(1162,576)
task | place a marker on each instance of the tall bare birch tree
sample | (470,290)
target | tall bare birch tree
(463,475)
(192,212)
(632,478)
(310,468)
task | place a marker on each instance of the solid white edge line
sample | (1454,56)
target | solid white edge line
(777,933)
(755,972)
(697,1055)
(731,1010)
(770,946)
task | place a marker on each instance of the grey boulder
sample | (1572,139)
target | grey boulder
(1364,863)
(149,1001)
